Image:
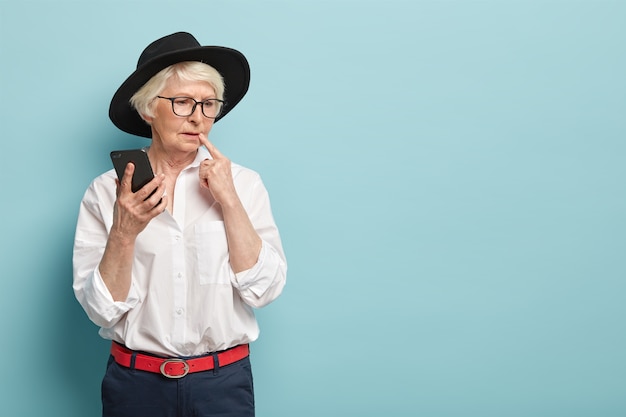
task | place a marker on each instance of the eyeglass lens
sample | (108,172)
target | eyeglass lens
(185,106)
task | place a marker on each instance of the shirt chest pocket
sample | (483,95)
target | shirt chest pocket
(211,255)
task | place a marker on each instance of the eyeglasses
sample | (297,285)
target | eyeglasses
(185,106)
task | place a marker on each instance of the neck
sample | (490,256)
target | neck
(168,163)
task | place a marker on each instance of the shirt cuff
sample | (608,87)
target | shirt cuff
(112,310)
(253,279)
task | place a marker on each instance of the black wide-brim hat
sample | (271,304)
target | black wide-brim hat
(169,50)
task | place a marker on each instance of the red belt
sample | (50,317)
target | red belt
(175,367)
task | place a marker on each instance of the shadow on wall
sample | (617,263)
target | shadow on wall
(82,354)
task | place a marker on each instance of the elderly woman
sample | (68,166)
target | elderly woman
(172,272)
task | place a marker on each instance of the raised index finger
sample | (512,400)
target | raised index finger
(215,153)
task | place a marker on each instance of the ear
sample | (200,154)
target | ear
(146,118)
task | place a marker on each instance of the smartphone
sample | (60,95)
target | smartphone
(143,170)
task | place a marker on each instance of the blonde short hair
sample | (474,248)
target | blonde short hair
(143,99)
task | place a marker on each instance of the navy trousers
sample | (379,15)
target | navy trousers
(225,392)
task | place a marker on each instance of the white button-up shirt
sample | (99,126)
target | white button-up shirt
(184,298)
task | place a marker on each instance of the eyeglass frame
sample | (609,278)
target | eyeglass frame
(195,104)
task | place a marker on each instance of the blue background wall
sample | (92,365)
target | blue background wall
(448,177)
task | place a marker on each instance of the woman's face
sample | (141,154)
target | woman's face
(176,134)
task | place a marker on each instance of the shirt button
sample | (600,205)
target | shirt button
(179,311)
(179,275)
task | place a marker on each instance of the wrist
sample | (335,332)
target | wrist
(121,238)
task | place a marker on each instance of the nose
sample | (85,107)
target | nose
(196,112)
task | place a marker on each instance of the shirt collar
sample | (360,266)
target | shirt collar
(201,155)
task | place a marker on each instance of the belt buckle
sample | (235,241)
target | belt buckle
(174,360)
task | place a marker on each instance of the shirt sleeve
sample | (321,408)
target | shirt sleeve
(89,243)
(99,304)
(264,282)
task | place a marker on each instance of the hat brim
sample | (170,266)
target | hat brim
(230,63)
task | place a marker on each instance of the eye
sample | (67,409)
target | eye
(182,101)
